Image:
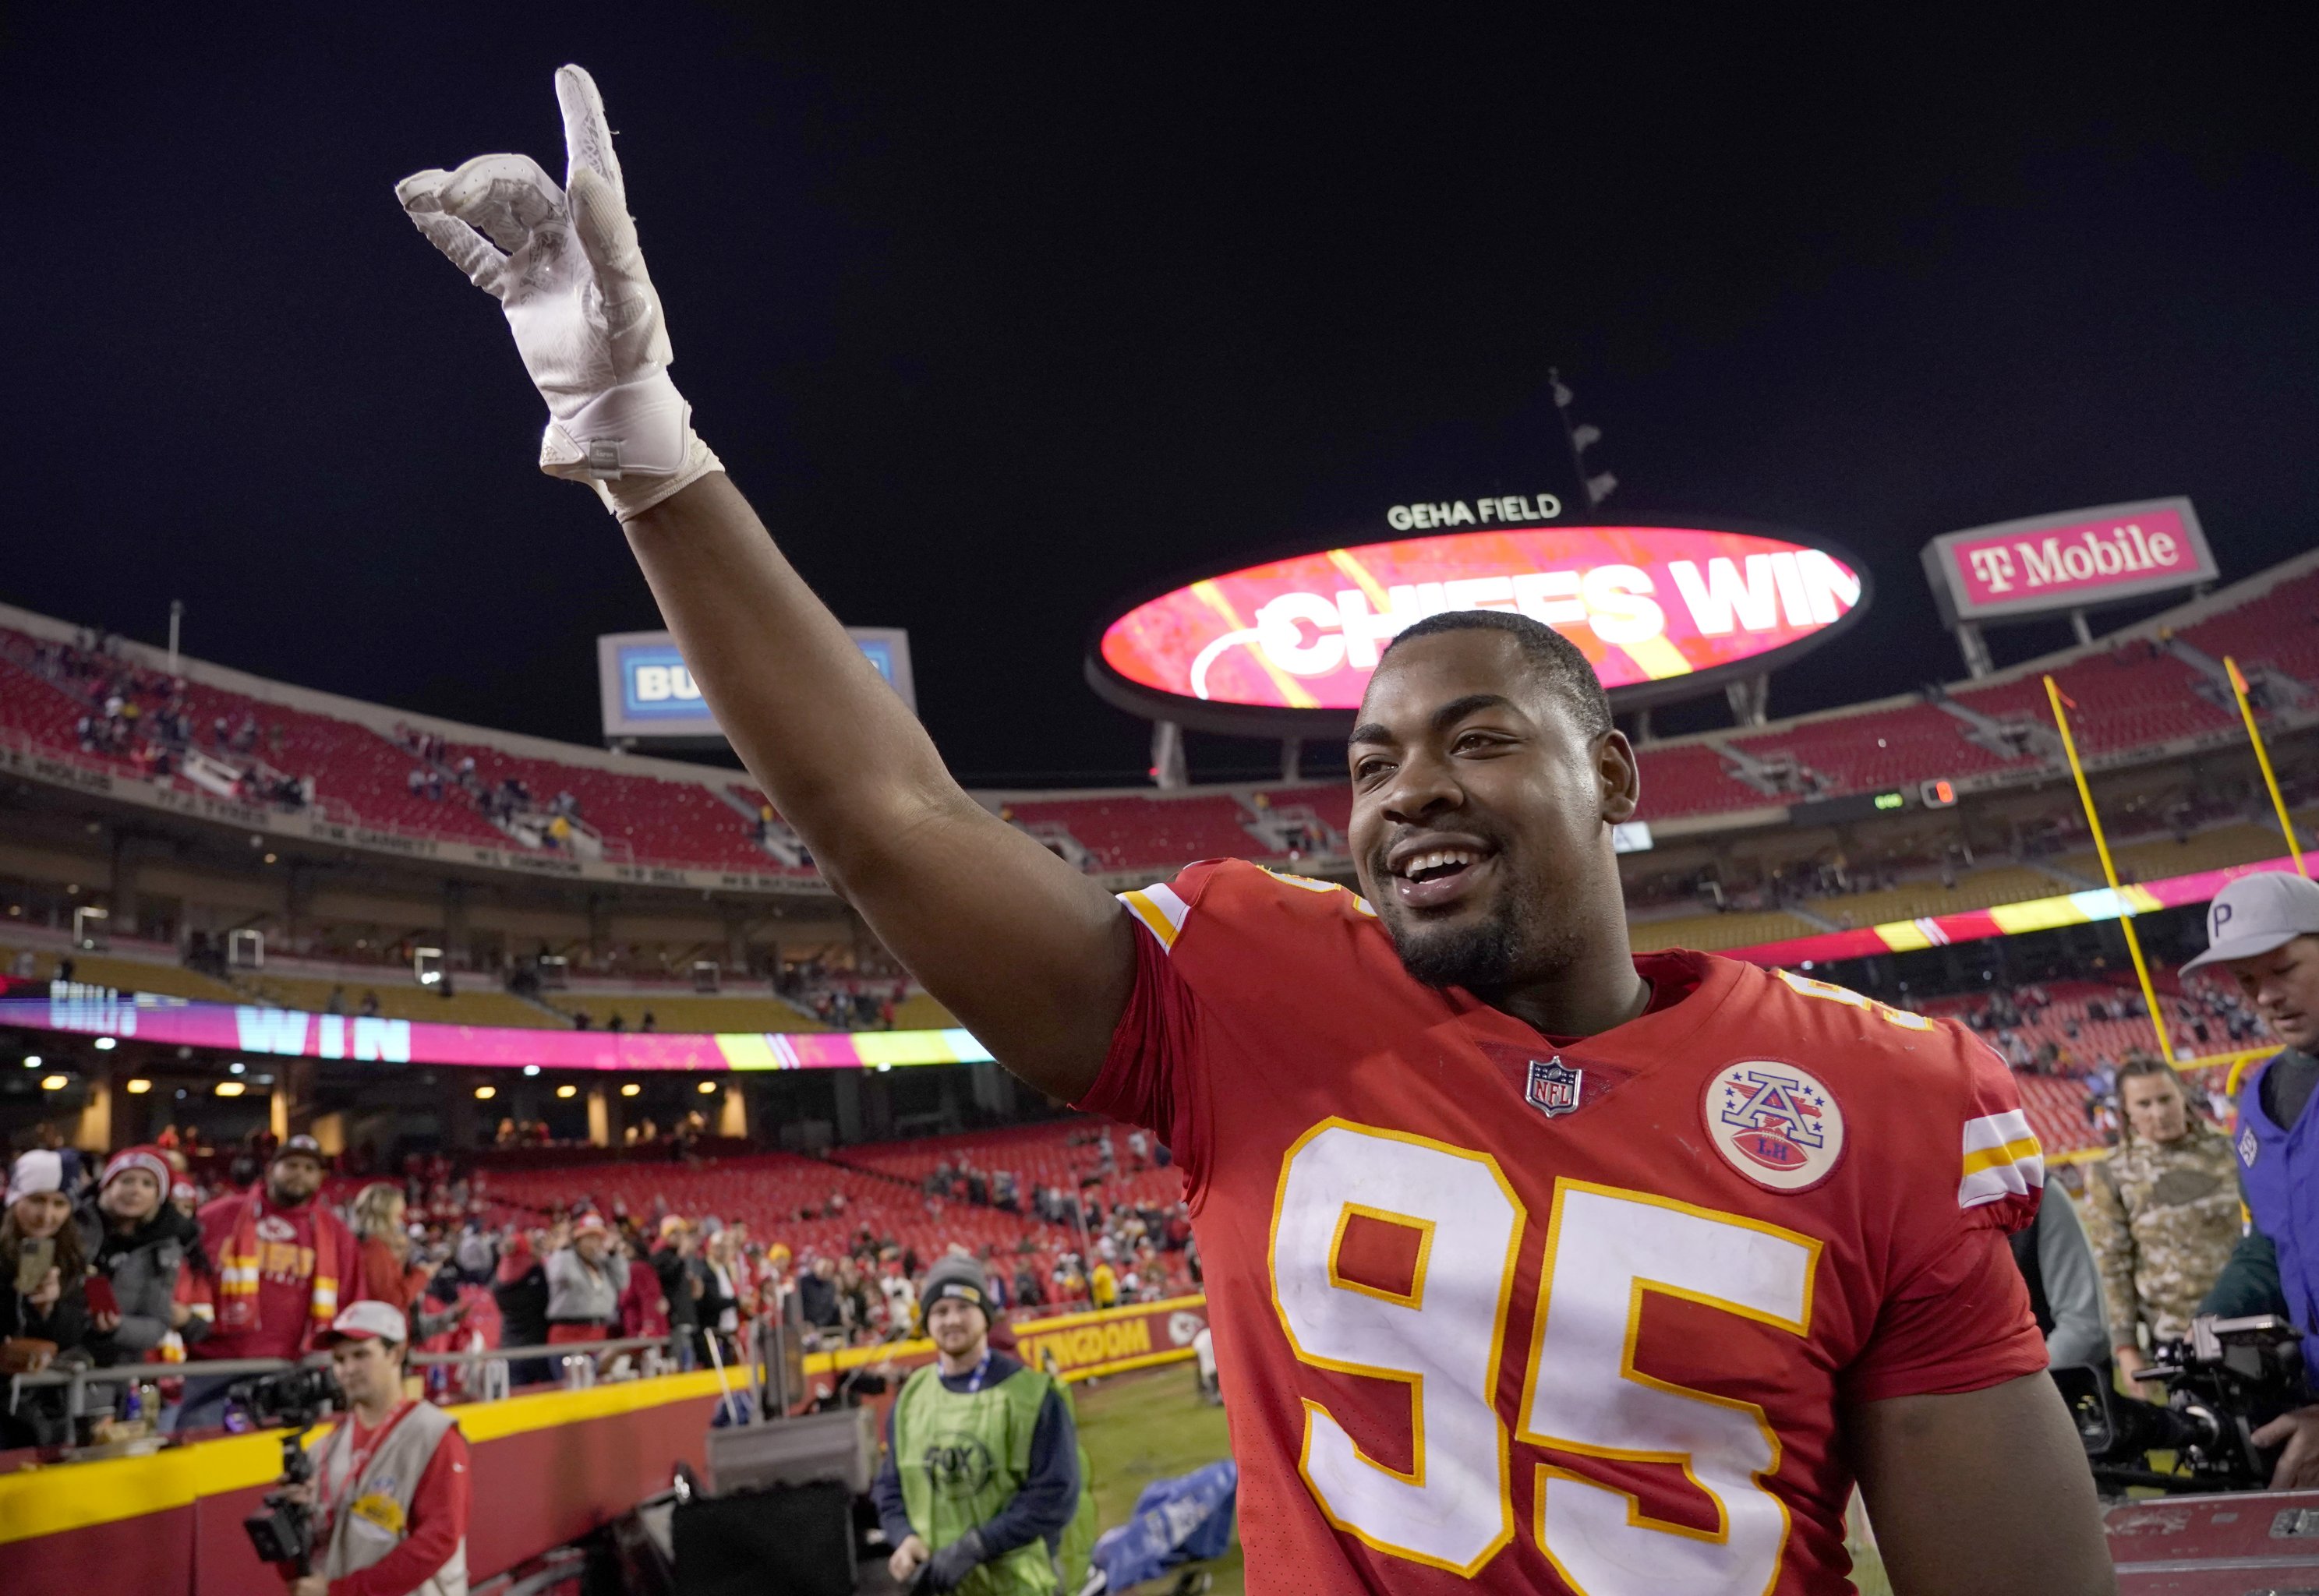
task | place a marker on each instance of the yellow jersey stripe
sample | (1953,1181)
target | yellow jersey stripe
(1143,904)
(2012,1152)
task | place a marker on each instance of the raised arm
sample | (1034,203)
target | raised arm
(1035,959)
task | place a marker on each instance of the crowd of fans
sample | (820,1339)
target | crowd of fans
(859,1000)
(437,775)
(178,1256)
(1738,884)
(145,718)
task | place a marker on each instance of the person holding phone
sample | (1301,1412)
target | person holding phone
(137,1245)
(43,1309)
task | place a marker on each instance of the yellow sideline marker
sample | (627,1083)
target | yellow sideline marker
(2262,758)
(2109,872)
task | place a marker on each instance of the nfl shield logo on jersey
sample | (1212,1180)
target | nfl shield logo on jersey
(1552,1087)
(1774,1123)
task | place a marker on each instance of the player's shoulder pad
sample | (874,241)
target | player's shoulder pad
(1942,1069)
(1233,890)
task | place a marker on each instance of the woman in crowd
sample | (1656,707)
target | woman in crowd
(379,1218)
(45,1317)
(720,1305)
(140,1245)
(387,1271)
(2162,1211)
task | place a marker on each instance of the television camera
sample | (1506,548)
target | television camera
(294,1399)
(2222,1383)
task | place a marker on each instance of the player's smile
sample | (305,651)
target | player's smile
(1437,869)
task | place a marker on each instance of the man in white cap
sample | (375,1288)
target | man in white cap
(390,1488)
(2264,930)
(585,1281)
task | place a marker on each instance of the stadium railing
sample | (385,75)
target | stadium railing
(549,1465)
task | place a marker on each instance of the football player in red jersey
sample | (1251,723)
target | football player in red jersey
(1535,1264)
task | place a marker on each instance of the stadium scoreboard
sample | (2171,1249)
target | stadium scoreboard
(1938,794)
(1288,647)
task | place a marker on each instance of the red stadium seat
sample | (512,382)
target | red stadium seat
(1883,748)
(1134,831)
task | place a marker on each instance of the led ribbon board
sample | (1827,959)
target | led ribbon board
(292,1033)
(1288,647)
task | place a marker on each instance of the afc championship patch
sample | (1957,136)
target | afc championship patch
(1774,1123)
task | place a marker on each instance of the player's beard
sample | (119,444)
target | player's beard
(1519,942)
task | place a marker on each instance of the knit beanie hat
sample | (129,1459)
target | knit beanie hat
(956,1277)
(148,1158)
(40,1171)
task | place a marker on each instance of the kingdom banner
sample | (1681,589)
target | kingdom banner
(1104,1341)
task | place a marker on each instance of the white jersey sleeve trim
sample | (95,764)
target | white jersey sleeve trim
(1161,912)
(2002,1159)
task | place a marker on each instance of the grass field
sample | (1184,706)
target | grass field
(1153,1426)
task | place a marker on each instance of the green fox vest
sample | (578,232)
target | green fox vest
(961,1458)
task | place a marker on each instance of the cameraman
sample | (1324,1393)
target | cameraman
(2264,930)
(390,1488)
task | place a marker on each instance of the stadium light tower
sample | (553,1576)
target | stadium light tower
(1582,435)
(1168,771)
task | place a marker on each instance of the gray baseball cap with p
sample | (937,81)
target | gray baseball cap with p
(2256,914)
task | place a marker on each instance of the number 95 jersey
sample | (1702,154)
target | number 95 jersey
(1503,1311)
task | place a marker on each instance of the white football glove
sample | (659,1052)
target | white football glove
(564,265)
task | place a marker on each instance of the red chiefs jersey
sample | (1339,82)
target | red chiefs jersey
(1504,1312)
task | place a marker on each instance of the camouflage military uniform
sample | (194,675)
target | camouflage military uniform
(2162,1220)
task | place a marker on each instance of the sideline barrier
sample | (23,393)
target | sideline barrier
(548,1466)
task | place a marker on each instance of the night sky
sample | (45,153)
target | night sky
(1000,318)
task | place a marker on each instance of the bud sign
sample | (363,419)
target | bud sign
(2017,570)
(648,693)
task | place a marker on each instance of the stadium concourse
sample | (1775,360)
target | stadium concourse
(457,959)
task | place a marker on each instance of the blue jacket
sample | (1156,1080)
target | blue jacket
(2280,1172)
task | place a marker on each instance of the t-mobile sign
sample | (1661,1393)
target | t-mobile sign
(2015,570)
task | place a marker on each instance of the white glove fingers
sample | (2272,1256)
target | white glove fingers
(507,196)
(608,237)
(422,191)
(587,133)
(465,247)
